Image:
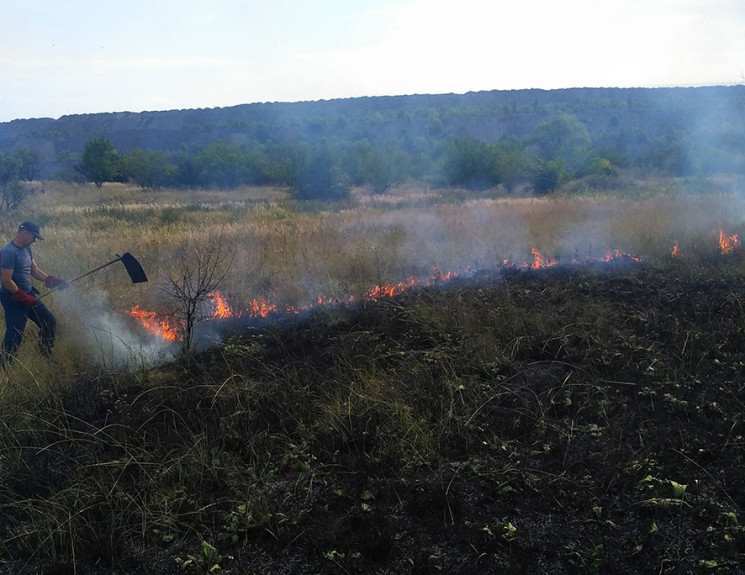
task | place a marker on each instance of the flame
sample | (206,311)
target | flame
(727,243)
(222,309)
(539,261)
(675,250)
(391,290)
(153,324)
(445,277)
(618,254)
(260,307)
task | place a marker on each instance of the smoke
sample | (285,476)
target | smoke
(107,336)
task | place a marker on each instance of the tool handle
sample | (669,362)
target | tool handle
(118,258)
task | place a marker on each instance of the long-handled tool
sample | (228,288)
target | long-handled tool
(134,269)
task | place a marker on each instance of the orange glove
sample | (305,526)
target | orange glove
(24,299)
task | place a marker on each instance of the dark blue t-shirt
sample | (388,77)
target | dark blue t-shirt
(19,260)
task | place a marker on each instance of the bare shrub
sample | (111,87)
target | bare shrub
(200,268)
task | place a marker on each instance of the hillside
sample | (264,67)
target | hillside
(630,121)
(583,418)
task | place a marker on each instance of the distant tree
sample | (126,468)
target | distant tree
(379,168)
(12,192)
(548,176)
(669,154)
(512,164)
(100,161)
(579,162)
(12,196)
(471,164)
(435,128)
(147,169)
(8,167)
(257,164)
(560,136)
(603,173)
(28,162)
(21,164)
(221,164)
(316,174)
(357,160)
(186,171)
(287,163)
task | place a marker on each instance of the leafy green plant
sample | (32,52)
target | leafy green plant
(206,560)
(675,491)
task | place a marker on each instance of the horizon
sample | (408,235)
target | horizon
(113,112)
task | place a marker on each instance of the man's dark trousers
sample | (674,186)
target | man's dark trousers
(16,316)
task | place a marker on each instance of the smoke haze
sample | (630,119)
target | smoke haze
(107,336)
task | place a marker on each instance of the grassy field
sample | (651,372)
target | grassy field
(580,418)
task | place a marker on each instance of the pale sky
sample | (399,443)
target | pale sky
(61,57)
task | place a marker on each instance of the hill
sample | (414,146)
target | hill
(632,122)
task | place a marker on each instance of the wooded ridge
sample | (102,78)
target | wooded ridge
(678,130)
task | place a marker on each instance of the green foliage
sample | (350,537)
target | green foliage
(27,162)
(226,164)
(8,167)
(512,163)
(100,161)
(206,561)
(14,167)
(379,168)
(21,164)
(470,164)
(474,141)
(147,169)
(560,136)
(668,154)
(317,174)
(566,152)
(12,196)
(479,165)
(548,176)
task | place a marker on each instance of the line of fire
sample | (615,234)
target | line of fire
(169,330)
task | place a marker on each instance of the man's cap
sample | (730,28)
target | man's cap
(32,227)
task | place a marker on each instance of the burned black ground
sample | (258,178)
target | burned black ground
(578,419)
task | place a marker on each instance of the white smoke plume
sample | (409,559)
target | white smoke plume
(106,335)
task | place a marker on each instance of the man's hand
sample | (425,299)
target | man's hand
(53,282)
(24,299)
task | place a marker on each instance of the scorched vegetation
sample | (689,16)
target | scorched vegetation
(578,416)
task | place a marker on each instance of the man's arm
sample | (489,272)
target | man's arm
(52,282)
(6,277)
(37,272)
(19,296)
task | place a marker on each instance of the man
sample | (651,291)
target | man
(17,267)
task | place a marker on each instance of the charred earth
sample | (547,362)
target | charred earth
(574,419)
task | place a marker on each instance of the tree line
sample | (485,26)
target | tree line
(559,150)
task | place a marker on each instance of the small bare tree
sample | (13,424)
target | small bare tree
(200,269)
